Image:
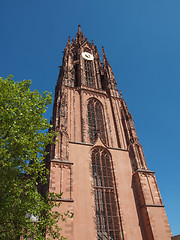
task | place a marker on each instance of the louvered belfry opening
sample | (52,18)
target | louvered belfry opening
(96,121)
(88,67)
(107,214)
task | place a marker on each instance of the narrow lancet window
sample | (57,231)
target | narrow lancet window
(88,66)
(96,121)
(106,208)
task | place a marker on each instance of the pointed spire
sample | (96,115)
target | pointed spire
(68,43)
(79,36)
(79,28)
(103,51)
(111,82)
(104,54)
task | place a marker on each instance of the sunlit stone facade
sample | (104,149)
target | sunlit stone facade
(97,162)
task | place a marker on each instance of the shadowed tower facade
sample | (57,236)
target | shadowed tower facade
(97,162)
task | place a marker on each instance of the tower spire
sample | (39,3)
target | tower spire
(112,85)
(104,54)
(68,42)
(106,63)
(111,174)
(79,28)
(80,36)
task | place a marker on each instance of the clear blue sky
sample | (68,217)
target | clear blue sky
(142,42)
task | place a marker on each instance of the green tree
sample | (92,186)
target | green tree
(22,169)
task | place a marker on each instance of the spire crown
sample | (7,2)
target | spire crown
(79,36)
(79,28)
(104,54)
(68,42)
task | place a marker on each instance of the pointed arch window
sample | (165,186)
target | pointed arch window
(96,121)
(106,207)
(88,67)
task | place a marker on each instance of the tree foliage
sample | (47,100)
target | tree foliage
(22,142)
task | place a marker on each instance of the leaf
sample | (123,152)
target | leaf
(23,137)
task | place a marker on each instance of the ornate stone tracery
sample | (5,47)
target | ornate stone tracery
(106,208)
(96,121)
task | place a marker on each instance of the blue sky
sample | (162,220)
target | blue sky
(142,42)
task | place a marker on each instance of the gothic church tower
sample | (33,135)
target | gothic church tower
(97,162)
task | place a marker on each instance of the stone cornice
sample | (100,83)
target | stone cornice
(92,90)
(60,161)
(143,171)
(64,200)
(153,205)
(90,144)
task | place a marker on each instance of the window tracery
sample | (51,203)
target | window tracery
(96,121)
(88,67)
(107,216)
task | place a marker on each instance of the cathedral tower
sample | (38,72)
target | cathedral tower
(97,162)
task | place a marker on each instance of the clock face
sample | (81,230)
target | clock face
(87,56)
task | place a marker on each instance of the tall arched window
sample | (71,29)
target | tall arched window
(96,121)
(107,215)
(88,67)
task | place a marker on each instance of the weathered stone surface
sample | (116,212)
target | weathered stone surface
(140,211)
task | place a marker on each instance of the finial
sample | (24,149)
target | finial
(104,55)
(79,28)
(69,40)
(103,51)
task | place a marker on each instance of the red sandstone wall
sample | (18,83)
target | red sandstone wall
(83,206)
(123,173)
